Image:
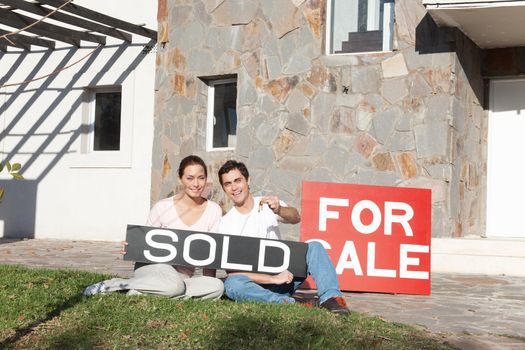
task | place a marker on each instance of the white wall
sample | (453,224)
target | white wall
(505,187)
(485,256)
(68,194)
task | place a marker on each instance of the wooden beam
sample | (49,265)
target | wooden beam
(65,18)
(12,40)
(20,40)
(69,36)
(101,18)
(18,21)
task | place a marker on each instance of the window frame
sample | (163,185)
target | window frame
(85,156)
(210,115)
(388,35)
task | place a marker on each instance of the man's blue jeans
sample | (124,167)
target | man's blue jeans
(319,265)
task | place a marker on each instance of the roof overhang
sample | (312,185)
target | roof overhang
(490,24)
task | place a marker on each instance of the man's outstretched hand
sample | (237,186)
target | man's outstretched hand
(273,203)
(289,215)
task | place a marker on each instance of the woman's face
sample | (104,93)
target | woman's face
(193,180)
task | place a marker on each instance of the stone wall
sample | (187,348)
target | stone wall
(469,137)
(403,118)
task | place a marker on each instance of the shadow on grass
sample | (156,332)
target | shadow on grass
(244,331)
(75,338)
(23,331)
(262,327)
(268,331)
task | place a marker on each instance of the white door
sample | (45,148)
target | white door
(506,159)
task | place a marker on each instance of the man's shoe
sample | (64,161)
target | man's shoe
(337,305)
(307,302)
(96,288)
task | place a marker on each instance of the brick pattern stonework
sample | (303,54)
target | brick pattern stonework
(410,117)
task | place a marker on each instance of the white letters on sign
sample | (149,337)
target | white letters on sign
(224,258)
(371,269)
(349,259)
(207,253)
(270,269)
(390,218)
(355,217)
(186,250)
(404,261)
(158,245)
(325,214)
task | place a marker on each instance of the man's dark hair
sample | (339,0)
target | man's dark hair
(233,164)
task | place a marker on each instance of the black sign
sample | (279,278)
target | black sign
(215,251)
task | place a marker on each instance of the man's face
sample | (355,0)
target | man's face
(235,185)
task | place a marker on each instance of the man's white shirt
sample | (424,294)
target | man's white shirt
(260,224)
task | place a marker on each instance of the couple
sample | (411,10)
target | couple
(250,216)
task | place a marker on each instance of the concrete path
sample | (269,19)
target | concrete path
(470,311)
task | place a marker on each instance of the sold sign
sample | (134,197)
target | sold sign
(215,251)
(377,237)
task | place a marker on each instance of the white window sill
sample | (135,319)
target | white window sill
(101,159)
(358,53)
(221,149)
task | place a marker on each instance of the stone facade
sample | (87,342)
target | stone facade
(412,117)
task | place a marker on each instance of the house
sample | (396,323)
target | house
(398,93)
(76,111)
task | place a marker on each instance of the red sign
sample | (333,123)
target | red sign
(377,237)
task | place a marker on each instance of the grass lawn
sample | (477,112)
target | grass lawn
(44,309)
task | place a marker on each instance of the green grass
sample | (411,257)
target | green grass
(44,309)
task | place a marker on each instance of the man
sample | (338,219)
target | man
(258,217)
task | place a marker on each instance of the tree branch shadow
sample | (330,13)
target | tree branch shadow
(23,331)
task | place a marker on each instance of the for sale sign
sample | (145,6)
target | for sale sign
(378,237)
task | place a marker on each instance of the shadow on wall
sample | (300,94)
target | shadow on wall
(432,39)
(19,195)
(506,62)
(18,209)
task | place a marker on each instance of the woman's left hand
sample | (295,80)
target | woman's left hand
(123,245)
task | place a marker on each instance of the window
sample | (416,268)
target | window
(360,26)
(107,123)
(221,130)
(105,139)
(105,116)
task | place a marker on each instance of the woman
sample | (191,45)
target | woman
(187,210)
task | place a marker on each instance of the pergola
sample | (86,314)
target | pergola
(69,24)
